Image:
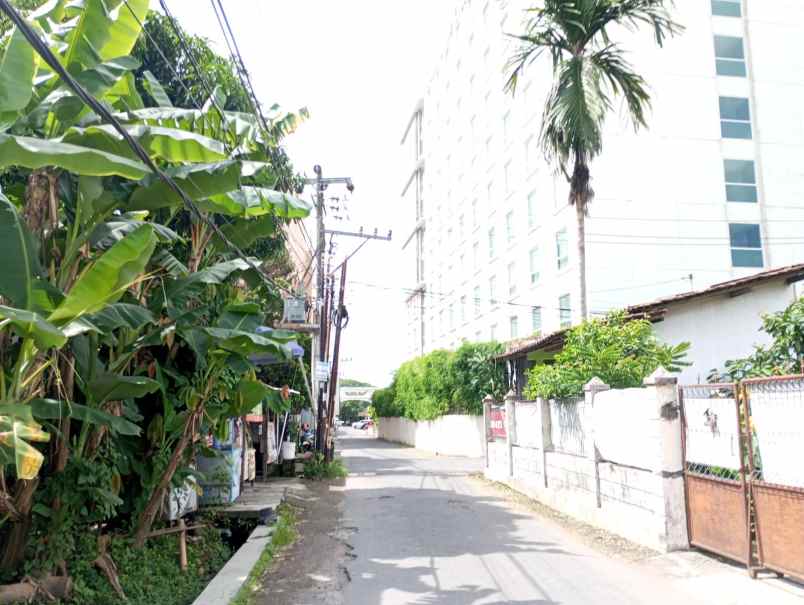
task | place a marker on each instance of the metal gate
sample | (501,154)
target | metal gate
(715,470)
(776,462)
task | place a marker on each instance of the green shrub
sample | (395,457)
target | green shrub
(317,468)
(443,382)
(622,352)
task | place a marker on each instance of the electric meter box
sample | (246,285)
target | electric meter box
(295,311)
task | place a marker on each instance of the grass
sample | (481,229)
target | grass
(284,534)
(317,468)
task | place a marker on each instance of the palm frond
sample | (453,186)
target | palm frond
(610,62)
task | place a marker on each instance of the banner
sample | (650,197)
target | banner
(497,423)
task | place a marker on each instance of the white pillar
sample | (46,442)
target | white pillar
(510,428)
(590,390)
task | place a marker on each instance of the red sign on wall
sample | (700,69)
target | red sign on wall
(497,423)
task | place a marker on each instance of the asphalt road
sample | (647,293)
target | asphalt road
(424,531)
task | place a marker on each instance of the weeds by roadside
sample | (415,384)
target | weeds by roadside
(283,535)
(317,468)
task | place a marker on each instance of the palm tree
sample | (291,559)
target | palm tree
(589,71)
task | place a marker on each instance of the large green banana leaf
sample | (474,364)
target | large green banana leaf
(34,153)
(244,343)
(116,228)
(122,315)
(21,262)
(156,91)
(243,316)
(256,201)
(32,325)
(17,69)
(244,232)
(113,387)
(107,279)
(169,144)
(198,181)
(51,409)
(104,29)
(215,274)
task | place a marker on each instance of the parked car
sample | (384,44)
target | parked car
(357,423)
(367,424)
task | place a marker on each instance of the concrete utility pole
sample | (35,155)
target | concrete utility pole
(341,318)
(321,185)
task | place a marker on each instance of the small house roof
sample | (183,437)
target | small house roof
(656,309)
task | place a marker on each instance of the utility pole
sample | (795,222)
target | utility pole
(341,317)
(321,185)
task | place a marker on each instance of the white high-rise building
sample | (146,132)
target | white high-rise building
(711,191)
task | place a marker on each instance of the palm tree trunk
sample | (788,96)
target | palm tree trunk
(580,214)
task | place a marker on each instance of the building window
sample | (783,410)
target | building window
(533,260)
(514,323)
(735,118)
(476,256)
(746,245)
(507,176)
(562,252)
(506,127)
(493,332)
(490,195)
(528,144)
(531,210)
(492,290)
(488,146)
(509,227)
(730,56)
(564,311)
(451,318)
(460,228)
(474,213)
(478,301)
(463,309)
(511,279)
(441,321)
(462,266)
(727,8)
(741,181)
(536,319)
(491,242)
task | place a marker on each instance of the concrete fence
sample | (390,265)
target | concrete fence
(611,458)
(454,435)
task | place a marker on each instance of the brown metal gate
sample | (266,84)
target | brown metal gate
(776,462)
(715,470)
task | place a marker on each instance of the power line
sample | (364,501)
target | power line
(44,51)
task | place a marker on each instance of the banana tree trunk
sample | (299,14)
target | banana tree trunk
(14,547)
(148,514)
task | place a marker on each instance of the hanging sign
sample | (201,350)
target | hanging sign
(497,423)
(322,370)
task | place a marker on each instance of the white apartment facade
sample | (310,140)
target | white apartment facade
(712,191)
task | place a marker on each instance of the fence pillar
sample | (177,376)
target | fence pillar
(547,433)
(590,390)
(670,457)
(510,428)
(488,400)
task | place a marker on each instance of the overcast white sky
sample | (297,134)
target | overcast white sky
(359,66)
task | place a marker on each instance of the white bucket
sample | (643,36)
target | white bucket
(288,450)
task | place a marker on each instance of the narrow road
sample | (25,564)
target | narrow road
(425,531)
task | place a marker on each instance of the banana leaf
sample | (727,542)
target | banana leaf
(21,262)
(122,315)
(17,69)
(197,180)
(14,435)
(107,279)
(35,153)
(170,144)
(111,387)
(256,201)
(244,343)
(51,409)
(105,235)
(244,232)
(32,325)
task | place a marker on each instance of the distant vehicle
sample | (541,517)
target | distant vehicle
(367,424)
(356,424)
(363,423)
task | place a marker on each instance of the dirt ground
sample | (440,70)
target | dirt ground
(312,571)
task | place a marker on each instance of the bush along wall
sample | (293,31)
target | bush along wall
(444,382)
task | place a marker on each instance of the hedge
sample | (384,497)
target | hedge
(444,382)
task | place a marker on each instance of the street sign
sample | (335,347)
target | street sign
(322,370)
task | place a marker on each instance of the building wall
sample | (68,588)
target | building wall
(454,435)
(659,224)
(722,327)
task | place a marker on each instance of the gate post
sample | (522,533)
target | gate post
(488,400)
(671,458)
(547,433)
(591,389)
(510,429)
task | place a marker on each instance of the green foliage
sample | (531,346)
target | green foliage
(150,575)
(317,468)
(782,357)
(284,534)
(443,382)
(622,352)
(350,382)
(350,411)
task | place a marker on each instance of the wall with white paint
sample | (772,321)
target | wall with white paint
(453,435)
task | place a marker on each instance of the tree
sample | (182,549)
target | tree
(350,382)
(589,71)
(351,410)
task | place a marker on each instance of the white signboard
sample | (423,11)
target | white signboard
(712,437)
(322,370)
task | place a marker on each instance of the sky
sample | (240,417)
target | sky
(359,66)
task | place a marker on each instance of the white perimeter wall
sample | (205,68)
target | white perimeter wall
(455,435)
